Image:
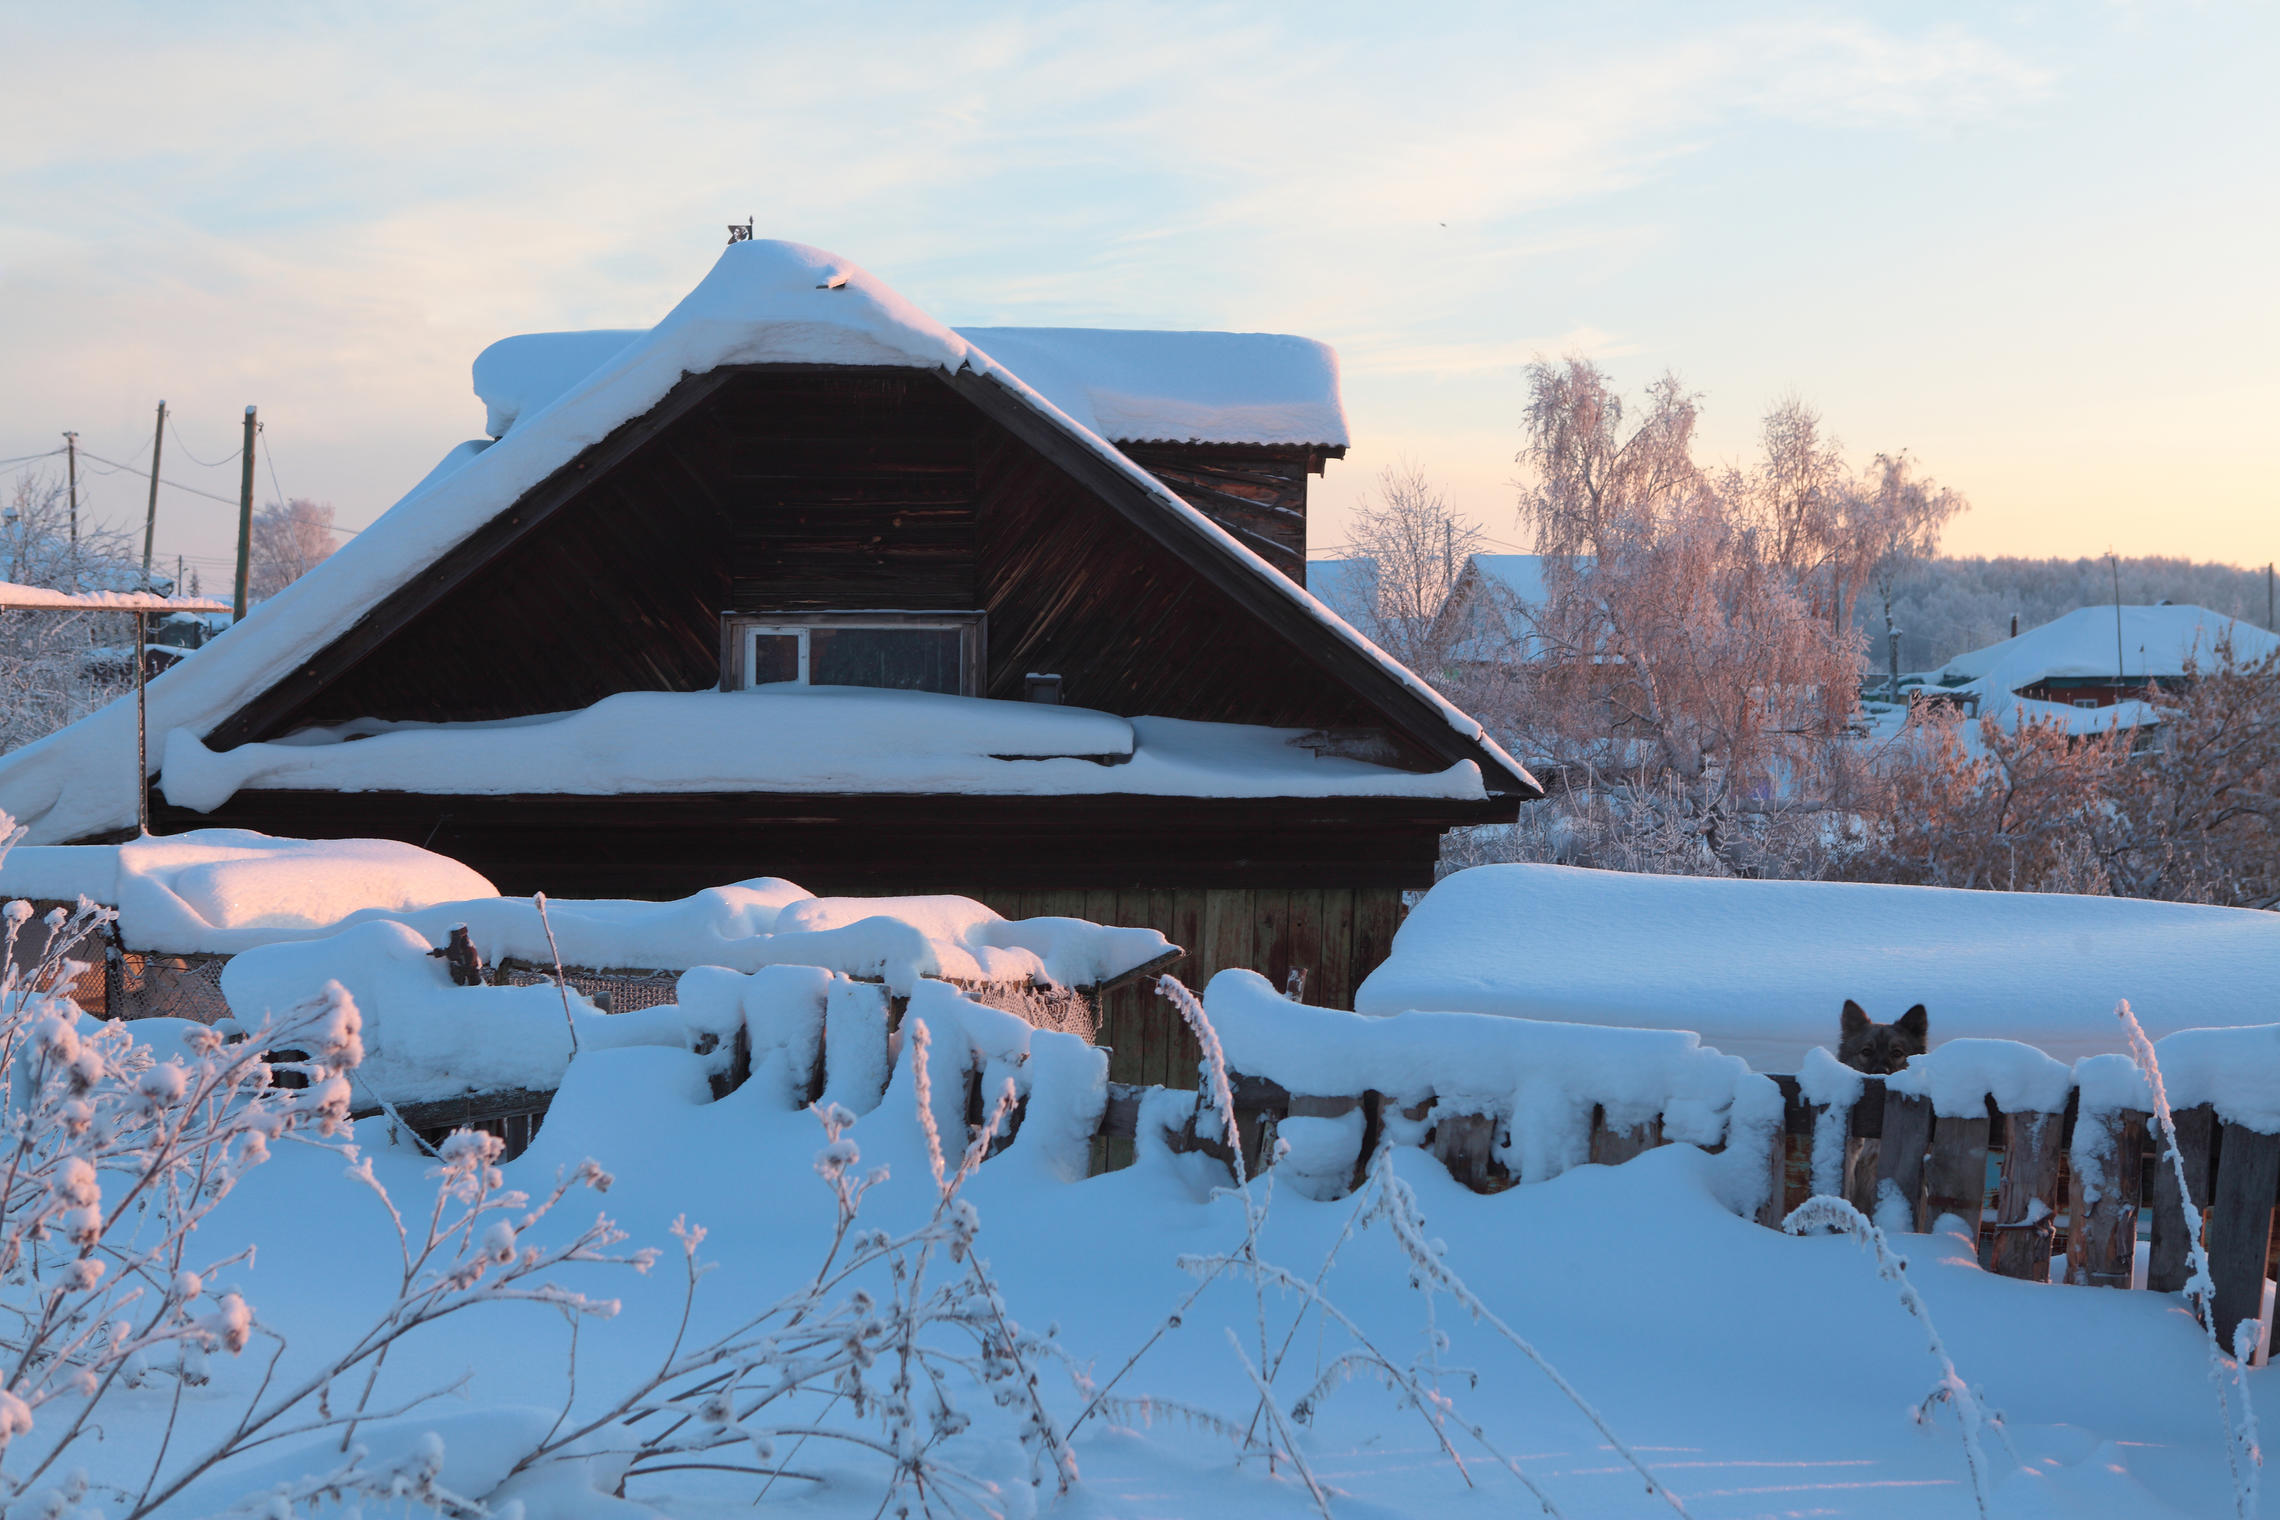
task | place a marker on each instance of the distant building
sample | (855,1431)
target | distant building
(2092,660)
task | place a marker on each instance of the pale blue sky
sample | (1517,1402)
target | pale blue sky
(2035,243)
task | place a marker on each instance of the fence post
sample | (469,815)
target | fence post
(1900,1159)
(1955,1174)
(2177,1220)
(1466,1145)
(2026,1209)
(2240,1224)
(1613,1147)
(2101,1250)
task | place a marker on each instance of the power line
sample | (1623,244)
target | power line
(269,457)
(27,458)
(227,501)
(210,464)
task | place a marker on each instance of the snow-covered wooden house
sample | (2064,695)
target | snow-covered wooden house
(801,582)
(2100,657)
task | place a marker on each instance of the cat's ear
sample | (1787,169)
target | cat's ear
(1915,1023)
(1855,1018)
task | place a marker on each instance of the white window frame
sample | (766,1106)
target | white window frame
(739,630)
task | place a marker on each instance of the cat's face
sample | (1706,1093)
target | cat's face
(1881,1049)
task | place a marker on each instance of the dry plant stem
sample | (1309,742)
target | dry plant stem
(1837,1215)
(2242,1456)
(1282,1426)
(561,983)
(1401,1215)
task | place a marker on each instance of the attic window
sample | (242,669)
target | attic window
(894,651)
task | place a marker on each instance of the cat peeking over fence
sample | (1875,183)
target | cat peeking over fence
(1880,1049)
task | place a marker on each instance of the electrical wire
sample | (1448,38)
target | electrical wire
(227,501)
(210,464)
(27,458)
(269,458)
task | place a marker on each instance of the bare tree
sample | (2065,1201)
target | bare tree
(1888,523)
(289,538)
(1592,483)
(1416,545)
(1681,690)
(1798,491)
(57,667)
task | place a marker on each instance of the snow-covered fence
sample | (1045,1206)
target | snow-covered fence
(2076,1164)
(2051,1168)
(1500,1101)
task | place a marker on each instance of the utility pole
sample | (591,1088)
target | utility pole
(2115,560)
(150,518)
(2268,623)
(71,450)
(245,515)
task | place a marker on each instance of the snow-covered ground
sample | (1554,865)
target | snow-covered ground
(1755,1374)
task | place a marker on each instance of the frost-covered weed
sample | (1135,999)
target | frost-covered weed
(905,1333)
(2244,1457)
(1840,1217)
(1416,1382)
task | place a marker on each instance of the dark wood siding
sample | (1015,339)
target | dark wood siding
(1076,591)
(847,492)
(1256,492)
(799,490)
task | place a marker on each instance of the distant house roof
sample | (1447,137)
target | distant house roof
(1347,587)
(1128,386)
(2127,643)
(765,303)
(2121,645)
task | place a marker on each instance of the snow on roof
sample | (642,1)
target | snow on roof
(1522,575)
(1179,387)
(222,889)
(1133,386)
(1347,587)
(2132,642)
(821,739)
(1761,969)
(763,302)
(44,598)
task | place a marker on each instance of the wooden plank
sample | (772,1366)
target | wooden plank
(1304,956)
(1270,935)
(2026,1202)
(1903,1154)
(1466,1145)
(1955,1173)
(1226,933)
(2177,1221)
(2101,1248)
(1101,906)
(1377,913)
(1337,964)
(1185,911)
(1613,1147)
(2240,1224)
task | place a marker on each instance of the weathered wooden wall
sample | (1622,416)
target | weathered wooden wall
(1256,492)
(1335,935)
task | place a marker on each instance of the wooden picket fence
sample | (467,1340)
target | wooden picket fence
(2024,1210)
